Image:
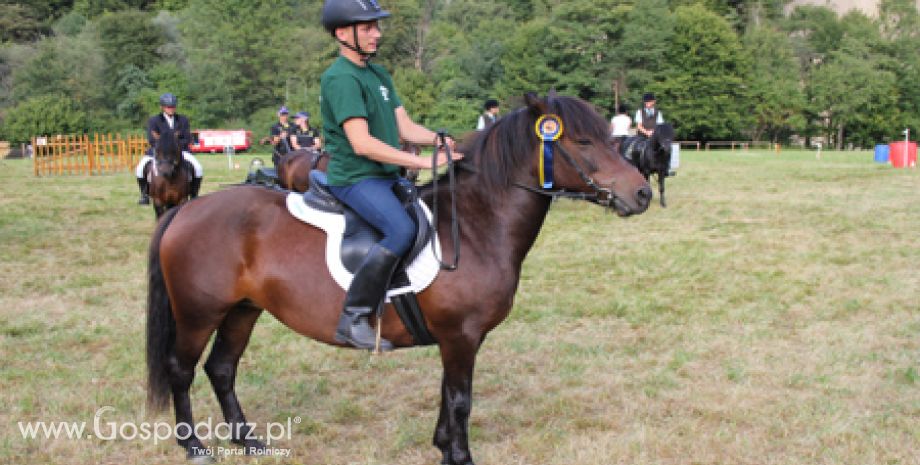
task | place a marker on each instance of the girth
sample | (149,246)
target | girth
(359,237)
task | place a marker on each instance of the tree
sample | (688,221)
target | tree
(852,95)
(571,52)
(775,88)
(50,9)
(239,54)
(20,23)
(128,37)
(93,8)
(44,116)
(469,41)
(704,94)
(816,32)
(640,58)
(526,70)
(898,19)
(855,99)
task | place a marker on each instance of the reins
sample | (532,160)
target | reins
(441,141)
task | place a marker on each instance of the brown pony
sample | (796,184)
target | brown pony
(294,168)
(168,175)
(215,264)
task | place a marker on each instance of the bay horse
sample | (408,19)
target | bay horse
(651,156)
(294,168)
(168,175)
(216,263)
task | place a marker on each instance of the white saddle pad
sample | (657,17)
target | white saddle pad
(421,271)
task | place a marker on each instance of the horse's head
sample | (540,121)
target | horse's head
(167,154)
(584,160)
(661,145)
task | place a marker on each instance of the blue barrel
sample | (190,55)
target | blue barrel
(881,154)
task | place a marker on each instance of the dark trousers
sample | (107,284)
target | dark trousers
(374,201)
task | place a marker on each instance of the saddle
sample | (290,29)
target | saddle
(359,237)
(264,177)
(634,147)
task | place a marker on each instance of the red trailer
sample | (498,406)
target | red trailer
(216,140)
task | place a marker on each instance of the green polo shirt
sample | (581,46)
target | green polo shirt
(351,91)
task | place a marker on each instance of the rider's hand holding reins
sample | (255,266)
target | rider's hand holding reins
(442,153)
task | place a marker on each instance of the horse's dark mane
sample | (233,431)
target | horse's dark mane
(664,131)
(494,154)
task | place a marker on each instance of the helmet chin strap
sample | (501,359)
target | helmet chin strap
(365,56)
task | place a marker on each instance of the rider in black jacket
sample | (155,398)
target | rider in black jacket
(159,123)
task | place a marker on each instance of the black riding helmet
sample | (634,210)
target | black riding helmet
(341,13)
(168,100)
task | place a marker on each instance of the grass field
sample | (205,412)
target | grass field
(769,315)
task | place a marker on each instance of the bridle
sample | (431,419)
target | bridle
(599,195)
(175,161)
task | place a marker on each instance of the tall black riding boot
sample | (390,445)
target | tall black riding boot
(365,294)
(195,187)
(145,194)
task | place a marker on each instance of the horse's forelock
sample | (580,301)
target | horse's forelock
(580,118)
(168,144)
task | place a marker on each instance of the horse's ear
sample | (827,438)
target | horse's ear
(552,93)
(535,103)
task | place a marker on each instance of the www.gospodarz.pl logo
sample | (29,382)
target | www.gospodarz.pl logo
(111,430)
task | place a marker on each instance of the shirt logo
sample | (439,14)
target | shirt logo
(385,93)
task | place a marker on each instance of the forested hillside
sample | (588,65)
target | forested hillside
(721,69)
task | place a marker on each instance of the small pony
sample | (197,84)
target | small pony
(294,168)
(169,175)
(216,264)
(652,155)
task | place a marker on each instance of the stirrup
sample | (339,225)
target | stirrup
(347,336)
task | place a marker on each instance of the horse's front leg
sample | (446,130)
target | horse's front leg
(452,433)
(441,431)
(661,175)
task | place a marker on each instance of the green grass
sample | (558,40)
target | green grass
(769,315)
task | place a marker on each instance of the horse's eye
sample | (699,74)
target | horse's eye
(585,142)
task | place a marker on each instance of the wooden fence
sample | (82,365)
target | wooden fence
(99,154)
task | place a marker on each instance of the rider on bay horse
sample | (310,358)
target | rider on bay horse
(363,122)
(158,124)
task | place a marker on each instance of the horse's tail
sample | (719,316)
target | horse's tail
(161,326)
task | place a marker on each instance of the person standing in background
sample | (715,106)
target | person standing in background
(489,114)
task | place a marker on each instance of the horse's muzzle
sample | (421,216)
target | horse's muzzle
(643,198)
